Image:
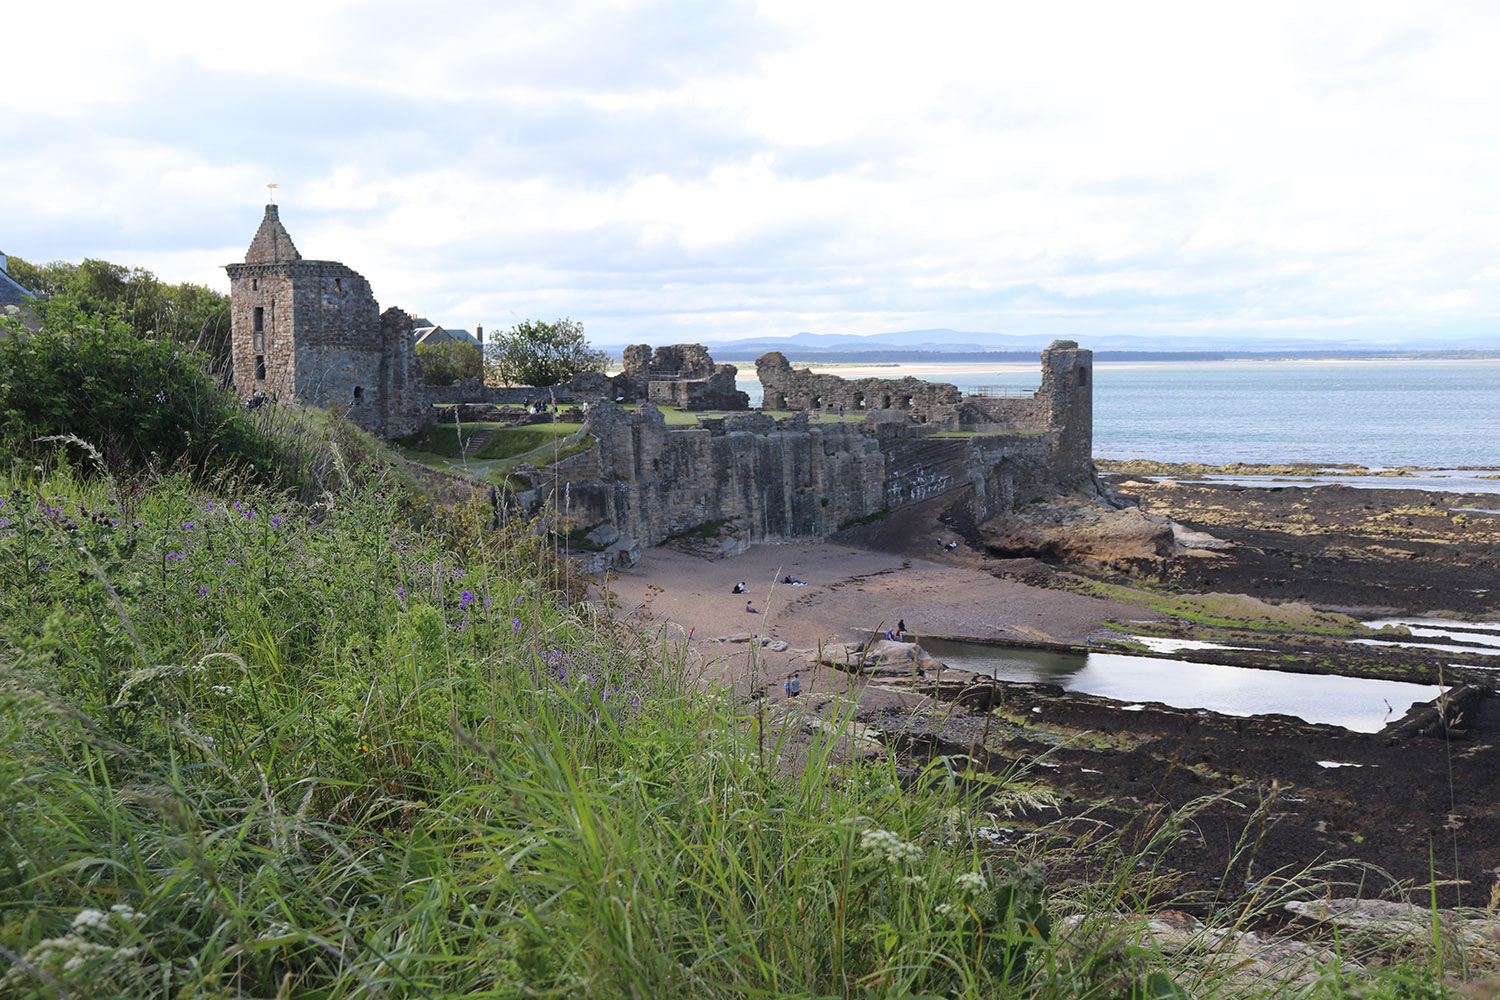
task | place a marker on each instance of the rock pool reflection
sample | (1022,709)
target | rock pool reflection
(1356,703)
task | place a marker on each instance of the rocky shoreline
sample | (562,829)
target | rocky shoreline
(1286,566)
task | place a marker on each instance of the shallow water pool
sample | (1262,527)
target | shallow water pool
(1356,703)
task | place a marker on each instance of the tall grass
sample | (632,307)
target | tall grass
(367,748)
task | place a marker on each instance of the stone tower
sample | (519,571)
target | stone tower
(311,330)
(1067,392)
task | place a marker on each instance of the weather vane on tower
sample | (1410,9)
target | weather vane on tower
(271,188)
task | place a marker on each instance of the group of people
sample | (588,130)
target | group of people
(535,406)
(897,634)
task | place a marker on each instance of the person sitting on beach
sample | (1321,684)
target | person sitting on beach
(750,608)
(739,588)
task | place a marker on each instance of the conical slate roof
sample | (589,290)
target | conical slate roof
(271,245)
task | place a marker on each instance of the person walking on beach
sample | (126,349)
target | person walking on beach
(793,685)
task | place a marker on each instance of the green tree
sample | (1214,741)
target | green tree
(189,314)
(541,354)
(447,363)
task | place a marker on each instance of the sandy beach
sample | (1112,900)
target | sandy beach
(849,594)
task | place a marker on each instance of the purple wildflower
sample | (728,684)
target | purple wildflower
(276,521)
(515,624)
(230,562)
(466,598)
(173,556)
(188,525)
(203,591)
(401,593)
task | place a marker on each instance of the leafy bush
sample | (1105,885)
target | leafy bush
(142,402)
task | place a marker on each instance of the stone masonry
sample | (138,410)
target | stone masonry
(311,330)
(766,480)
(682,375)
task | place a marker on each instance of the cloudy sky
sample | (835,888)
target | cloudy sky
(669,171)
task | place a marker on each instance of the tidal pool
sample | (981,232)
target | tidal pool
(1356,703)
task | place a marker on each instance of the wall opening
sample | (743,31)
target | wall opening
(859,401)
(905,402)
(1083,376)
(817,403)
(359,395)
(255,284)
(338,284)
(259,322)
(259,345)
(260,367)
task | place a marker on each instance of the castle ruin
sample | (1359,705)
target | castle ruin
(751,478)
(311,330)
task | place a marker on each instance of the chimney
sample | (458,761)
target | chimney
(478,330)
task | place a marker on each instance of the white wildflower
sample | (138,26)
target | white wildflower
(971,882)
(223,690)
(888,847)
(96,920)
(943,909)
(915,881)
(125,911)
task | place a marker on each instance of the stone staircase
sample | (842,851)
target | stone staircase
(475,443)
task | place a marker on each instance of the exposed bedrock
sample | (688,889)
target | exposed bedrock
(1076,529)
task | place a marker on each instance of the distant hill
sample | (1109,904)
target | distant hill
(968,346)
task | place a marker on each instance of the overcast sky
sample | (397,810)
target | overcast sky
(684,171)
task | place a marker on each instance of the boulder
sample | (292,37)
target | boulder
(880,658)
(1080,530)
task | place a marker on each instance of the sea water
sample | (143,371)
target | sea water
(1379,414)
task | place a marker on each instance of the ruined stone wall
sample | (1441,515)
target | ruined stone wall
(788,480)
(788,388)
(680,375)
(774,482)
(717,392)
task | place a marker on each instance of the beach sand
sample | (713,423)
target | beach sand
(850,593)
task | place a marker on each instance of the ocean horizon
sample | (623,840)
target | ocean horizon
(1387,413)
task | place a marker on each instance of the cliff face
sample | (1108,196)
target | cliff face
(767,481)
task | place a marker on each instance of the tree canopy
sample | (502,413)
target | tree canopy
(447,363)
(189,314)
(538,353)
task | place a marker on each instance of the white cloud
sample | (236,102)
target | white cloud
(841,166)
